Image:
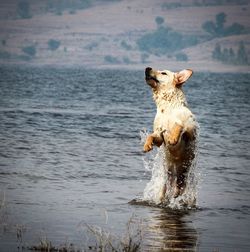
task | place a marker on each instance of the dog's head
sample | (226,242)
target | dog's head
(156,78)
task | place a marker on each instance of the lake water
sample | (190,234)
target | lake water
(71,155)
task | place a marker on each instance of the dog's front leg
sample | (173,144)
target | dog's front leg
(152,139)
(175,133)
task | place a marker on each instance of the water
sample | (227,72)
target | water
(71,153)
(158,166)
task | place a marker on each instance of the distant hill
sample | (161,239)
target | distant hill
(127,34)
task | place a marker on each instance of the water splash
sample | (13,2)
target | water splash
(157,164)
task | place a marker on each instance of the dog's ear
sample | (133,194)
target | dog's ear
(182,76)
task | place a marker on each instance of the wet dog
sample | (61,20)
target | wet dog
(174,126)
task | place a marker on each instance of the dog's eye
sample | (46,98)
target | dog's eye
(164,73)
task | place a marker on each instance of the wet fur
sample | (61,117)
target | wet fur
(174,125)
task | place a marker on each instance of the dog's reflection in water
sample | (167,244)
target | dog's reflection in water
(167,230)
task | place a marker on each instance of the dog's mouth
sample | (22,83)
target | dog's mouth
(151,80)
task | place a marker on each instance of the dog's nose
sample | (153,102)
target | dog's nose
(147,71)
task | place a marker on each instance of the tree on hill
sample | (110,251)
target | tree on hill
(217,28)
(235,29)
(231,54)
(53,44)
(29,50)
(159,20)
(164,39)
(242,54)
(23,9)
(227,55)
(220,20)
(217,54)
(59,6)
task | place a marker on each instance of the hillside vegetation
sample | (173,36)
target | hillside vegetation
(206,35)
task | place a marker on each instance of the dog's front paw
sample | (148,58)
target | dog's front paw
(147,147)
(175,134)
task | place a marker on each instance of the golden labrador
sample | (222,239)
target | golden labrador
(174,125)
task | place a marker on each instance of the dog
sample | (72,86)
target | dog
(175,126)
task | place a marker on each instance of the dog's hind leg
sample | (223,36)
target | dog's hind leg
(163,193)
(180,184)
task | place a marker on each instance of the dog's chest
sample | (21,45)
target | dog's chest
(166,118)
(171,109)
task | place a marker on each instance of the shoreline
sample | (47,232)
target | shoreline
(196,67)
